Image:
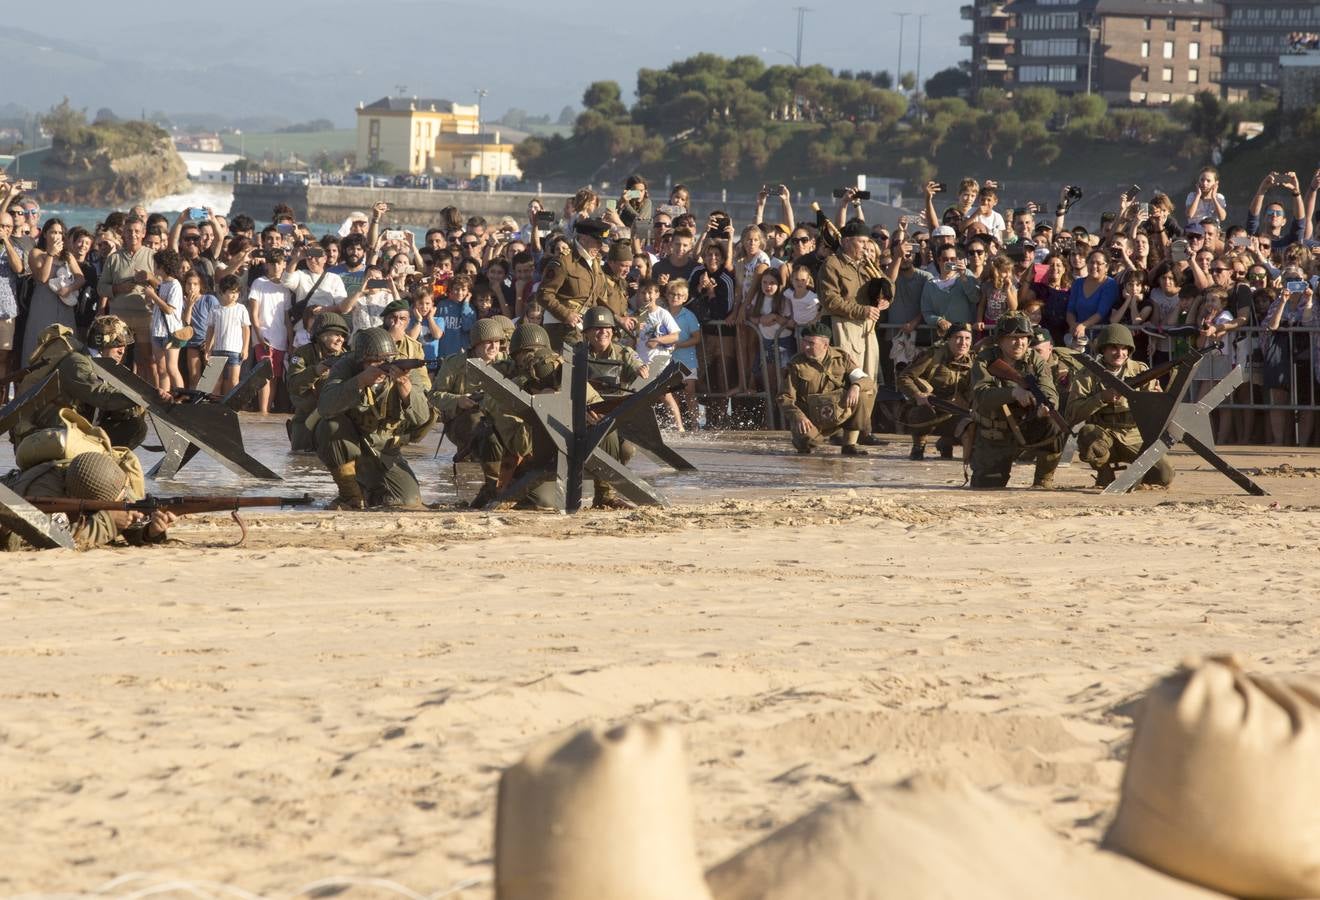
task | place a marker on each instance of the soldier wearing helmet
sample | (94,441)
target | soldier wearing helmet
(80,385)
(369,410)
(306,373)
(507,325)
(1009,425)
(456,395)
(944,372)
(1109,436)
(611,365)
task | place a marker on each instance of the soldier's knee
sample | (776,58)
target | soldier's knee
(1160,474)
(1094,445)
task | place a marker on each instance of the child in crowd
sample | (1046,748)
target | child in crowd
(998,292)
(483,301)
(1134,310)
(454,311)
(230,332)
(166,319)
(1205,201)
(269,303)
(657,331)
(685,349)
(801,296)
(197,309)
(425,328)
(986,214)
(533,313)
(772,314)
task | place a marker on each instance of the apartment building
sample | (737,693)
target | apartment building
(1157,53)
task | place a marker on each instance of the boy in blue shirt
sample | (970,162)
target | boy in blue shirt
(685,351)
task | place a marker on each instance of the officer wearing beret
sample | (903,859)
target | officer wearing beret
(824,392)
(1061,361)
(1009,424)
(945,372)
(617,263)
(306,372)
(573,281)
(1109,436)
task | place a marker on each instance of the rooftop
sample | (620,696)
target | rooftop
(1161,9)
(406,104)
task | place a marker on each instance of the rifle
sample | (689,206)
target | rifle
(890,395)
(403,365)
(14,377)
(1003,370)
(72,506)
(1191,358)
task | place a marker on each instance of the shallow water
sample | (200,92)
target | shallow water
(729,464)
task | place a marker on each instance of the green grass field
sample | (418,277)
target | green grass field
(305,145)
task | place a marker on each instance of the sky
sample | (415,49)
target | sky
(317,60)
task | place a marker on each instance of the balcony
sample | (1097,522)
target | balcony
(994,65)
(999,38)
(1240,78)
(1236,52)
(967,12)
(965,40)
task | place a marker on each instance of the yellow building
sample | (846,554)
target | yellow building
(438,137)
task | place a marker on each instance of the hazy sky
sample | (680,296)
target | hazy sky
(310,60)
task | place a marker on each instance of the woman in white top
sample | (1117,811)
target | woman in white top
(56,280)
(750,262)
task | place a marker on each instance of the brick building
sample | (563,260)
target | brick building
(1157,53)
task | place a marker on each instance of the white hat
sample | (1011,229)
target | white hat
(944,231)
(599,814)
(354,216)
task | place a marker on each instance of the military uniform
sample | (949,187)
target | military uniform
(618,367)
(80,388)
(846,297)
(1109,435)
(936,373)
(67,478)
(572,282)
(305,372)
(815,390)
(362,432)
(996,445)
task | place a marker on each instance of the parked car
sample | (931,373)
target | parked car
(358,179)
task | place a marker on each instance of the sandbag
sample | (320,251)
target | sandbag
(931,836)
(599,815)
(1222,785)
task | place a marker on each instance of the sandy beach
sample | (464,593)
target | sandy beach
(339,696)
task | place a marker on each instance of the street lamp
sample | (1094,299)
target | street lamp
(1091,34)
(898,76)
(481,146)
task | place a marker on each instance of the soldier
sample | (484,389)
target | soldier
(394,319)
(308,368)
(89,476)
(572,282)
(853,297)
(825,391)
(369,410)
(611,366)
(507,325)
(617,263)
(1061,361)
(457,398)
(1004,434)
(945,372)
(81,388)
(1110,436)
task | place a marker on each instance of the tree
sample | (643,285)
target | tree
(907,81)
(883,80)
(1207,119)
(603,97)
(64,123)
(566,116)
(1036,104)
(950,82)
(105,115)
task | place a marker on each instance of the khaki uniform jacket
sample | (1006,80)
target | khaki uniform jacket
(990,394)
(82,389)
(570,283)
(411,348)
(949,379)
(453,382)
(533,373)
(90,530)
(1086,404)
(842,286)
(385,420)
(628,370)
(805,378)
(302,379)
(616,296)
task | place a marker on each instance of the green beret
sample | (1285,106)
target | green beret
(393,307)
(818,329)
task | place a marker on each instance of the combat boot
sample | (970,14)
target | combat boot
(488,492)
(945,446)
(918,450)
(350,492)
(1104,476)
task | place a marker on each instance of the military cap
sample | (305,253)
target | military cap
(373,343)
(597,317)
(593,228)
(818,329)
(1013,323)
(957,327)
(393,307)
(1040,336)
(528,335)
(855,228)
(621,251)
(95,476)
(485,330)
(109,331)
(506,323)
(329,321)
(1118,335)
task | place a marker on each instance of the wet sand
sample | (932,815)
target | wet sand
(338,697)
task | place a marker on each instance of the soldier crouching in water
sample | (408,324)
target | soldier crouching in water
(1109,436)
(308,368)
(945,373)
(514,445)
(456,394)
(1009,423)
(824,391)
(369,410)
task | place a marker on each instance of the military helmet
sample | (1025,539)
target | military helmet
(528,336)
(1013,323)
(485,330)
(329,321)
(109,331)
(597,317)
(95,476)
(374,343)
(1119,335)
(506,323)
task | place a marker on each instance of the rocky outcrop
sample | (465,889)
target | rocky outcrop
(112,164)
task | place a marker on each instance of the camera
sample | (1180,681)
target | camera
(840,193)
(1072,192)
(1295,287)
(286,228)
(774,191)
(632,195)
(1116,254)
(394,234)
(196,214)
(545,219)
(634,274)
(940,187)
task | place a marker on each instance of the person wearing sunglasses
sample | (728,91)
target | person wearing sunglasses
(1273,223)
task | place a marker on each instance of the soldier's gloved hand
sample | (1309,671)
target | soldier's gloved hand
(465,403)
(923,400)
(1023,397)
(161,520)
(371,376)
(852,397)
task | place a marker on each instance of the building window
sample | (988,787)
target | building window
(1194,75)
(1167,74)
(1170,24)
(1194,50)
(1168,49)
(1049,47)
(1139,96)
(1148,23)
(1166,98)
(1196,26)
(1145,49)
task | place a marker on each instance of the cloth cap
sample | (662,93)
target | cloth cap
(944,231)
(621,251)
(393,307)
(856,228)
(1040,336)
(818,329)
(95,476)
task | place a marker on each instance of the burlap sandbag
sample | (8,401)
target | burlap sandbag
(929,837)
(1222,785)
(598,816)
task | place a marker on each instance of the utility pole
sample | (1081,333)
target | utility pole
(916,88)
(802,15)
(481,165)
(898,75)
